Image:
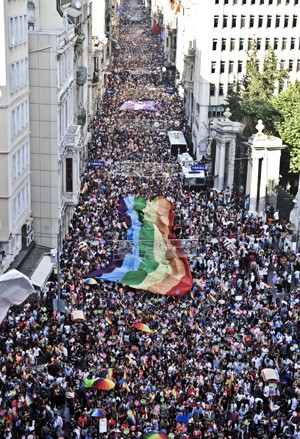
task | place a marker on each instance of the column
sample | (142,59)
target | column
(253,185)
(221,169)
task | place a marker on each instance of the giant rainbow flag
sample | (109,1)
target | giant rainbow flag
(155,263)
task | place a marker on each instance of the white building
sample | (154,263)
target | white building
(15,199)
(59,48)
(215,56)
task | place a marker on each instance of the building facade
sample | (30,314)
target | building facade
(59,54)
(15,194)
(215,51)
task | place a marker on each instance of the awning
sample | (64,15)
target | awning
(73,12)
(42,272)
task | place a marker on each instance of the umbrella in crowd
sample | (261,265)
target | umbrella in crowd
(90,281)
(103,384)
(98,413)
(155,435)
(142,327)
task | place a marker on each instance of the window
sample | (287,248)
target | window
(262,2)
(286,21)
(276,43)
(267,43)
(212,90)
(217,2)
(258,43)
(235,2)
(225,20)
(269,20)
(260,21)
(222,67)
(240,66)
(213,67)
(282,63)
(290,64)
(233,22)
(251,21)
(270,2)
(293,43)
(284,43)
(295,20)
(232,44)
(221,89)
(243,20)
(214,44)
(250,43)
(69,174)
(223,44)
(216,20)
(231,65)
(241,44)
(252,2)
(19,119)
(225,2)
(279,2)
(244,2)
(298,65)
(296,2)
(277,22)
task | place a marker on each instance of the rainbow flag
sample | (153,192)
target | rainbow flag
(125,386)
(131,416)
(109,373)
(84,188)
(28,399)
(108,320)
(191,313)
(156,263)
(10,357)
(174,393)
(132,361)
(125,374)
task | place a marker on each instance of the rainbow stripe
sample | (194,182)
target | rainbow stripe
(131,416)
(108,320)
(109,373)
(84,188)
(156,263)
(28,399)
(125,386)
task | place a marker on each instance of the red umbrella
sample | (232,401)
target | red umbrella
(104,384)
(142,327)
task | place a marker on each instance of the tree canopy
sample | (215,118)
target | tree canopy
(254,98)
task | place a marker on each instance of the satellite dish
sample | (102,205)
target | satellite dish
(77,5)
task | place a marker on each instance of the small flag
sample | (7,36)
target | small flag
(125,386)
(84,188)
(28,399)
(108,320)
(110,373)
(131,416)
(213,296)
(125,374)
(191,313)
(125,225)
(10,357)
(174,393)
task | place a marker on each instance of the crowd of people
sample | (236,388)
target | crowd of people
(198,371)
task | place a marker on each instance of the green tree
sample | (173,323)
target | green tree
(233,100)
(287,122)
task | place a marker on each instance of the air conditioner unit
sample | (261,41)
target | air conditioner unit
(27,226)
(27,239)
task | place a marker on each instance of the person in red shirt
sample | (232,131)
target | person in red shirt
(83,420)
